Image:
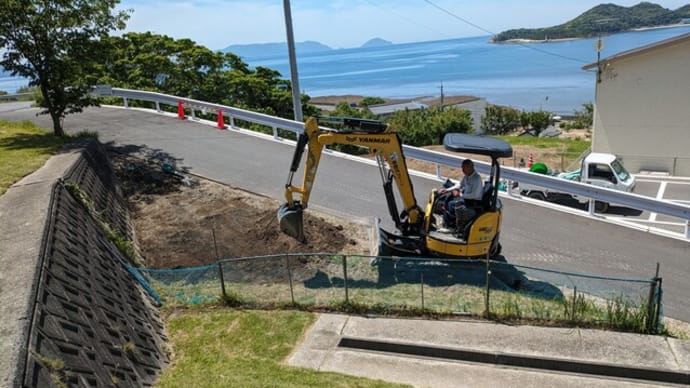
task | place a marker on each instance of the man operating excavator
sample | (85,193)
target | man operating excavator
(466,194)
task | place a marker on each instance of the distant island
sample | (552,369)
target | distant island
(258,50)
(602,19)
(263,50)
(377,42)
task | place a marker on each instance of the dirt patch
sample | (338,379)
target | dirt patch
(182,221)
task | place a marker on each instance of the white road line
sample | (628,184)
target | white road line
(659,195)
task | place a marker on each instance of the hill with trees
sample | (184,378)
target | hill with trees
(602,19)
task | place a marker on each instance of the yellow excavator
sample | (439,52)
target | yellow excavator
(420,232)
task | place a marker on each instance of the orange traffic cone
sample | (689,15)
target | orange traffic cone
(221,120)
(180,110)
(530,161)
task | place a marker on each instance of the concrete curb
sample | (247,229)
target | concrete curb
(514,360)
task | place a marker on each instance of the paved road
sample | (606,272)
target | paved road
(532,235)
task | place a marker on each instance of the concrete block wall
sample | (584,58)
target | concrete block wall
(72,314)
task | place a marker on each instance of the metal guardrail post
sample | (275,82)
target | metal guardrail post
(158,106)
(124,102)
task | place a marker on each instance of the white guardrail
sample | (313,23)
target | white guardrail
(630,200)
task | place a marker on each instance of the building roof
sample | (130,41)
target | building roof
(641,50)
(384,109)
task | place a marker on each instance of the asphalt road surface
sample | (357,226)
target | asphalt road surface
(531,235)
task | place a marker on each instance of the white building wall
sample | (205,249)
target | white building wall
(477,109)
(642,111)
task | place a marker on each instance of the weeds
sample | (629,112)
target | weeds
(122,243)
(56,369)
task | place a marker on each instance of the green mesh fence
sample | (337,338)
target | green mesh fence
(425,284)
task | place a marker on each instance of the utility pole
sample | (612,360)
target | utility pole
(441,95)
(296,98)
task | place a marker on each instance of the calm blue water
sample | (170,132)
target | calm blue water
(530,77)
(534,76)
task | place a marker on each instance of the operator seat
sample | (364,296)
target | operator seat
(465,214)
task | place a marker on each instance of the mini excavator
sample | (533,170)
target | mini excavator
(420,232)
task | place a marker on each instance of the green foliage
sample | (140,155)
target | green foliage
(536,121)
(366,101)
(584,119)
(148,61)
(424,127)
(56,45)
(602,19)
(499,120)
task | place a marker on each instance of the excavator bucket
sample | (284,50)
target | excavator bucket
(290,219)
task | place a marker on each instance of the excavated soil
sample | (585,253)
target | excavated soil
(184,222)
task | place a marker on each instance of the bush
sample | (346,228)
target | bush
(428,126)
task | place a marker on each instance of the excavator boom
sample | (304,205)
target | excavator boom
(376,136)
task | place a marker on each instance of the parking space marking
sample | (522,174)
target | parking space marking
(659,195)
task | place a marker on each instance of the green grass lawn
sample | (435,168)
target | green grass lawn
(243,348)
(24,148)
(569,146)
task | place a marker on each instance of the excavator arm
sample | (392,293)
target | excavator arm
(384,144)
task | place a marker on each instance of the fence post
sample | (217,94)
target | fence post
(657,318)
(650,302)
(220,265)
(572,312)
(487,312)
(421,282)
(222,279)
(289,271)
(347,297)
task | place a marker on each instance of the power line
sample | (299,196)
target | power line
(494,34)
(413,21)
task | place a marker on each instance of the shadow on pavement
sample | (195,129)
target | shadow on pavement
(144,170)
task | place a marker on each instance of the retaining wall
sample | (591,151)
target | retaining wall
(71,313)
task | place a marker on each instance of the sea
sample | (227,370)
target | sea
(526,76)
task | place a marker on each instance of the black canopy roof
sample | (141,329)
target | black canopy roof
(473,144)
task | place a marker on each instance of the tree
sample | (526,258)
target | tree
(181,67)
(424,127)
(55,45)
(498,120)
(537,120)
(368,101)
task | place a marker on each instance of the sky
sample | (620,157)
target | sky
(217,24)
